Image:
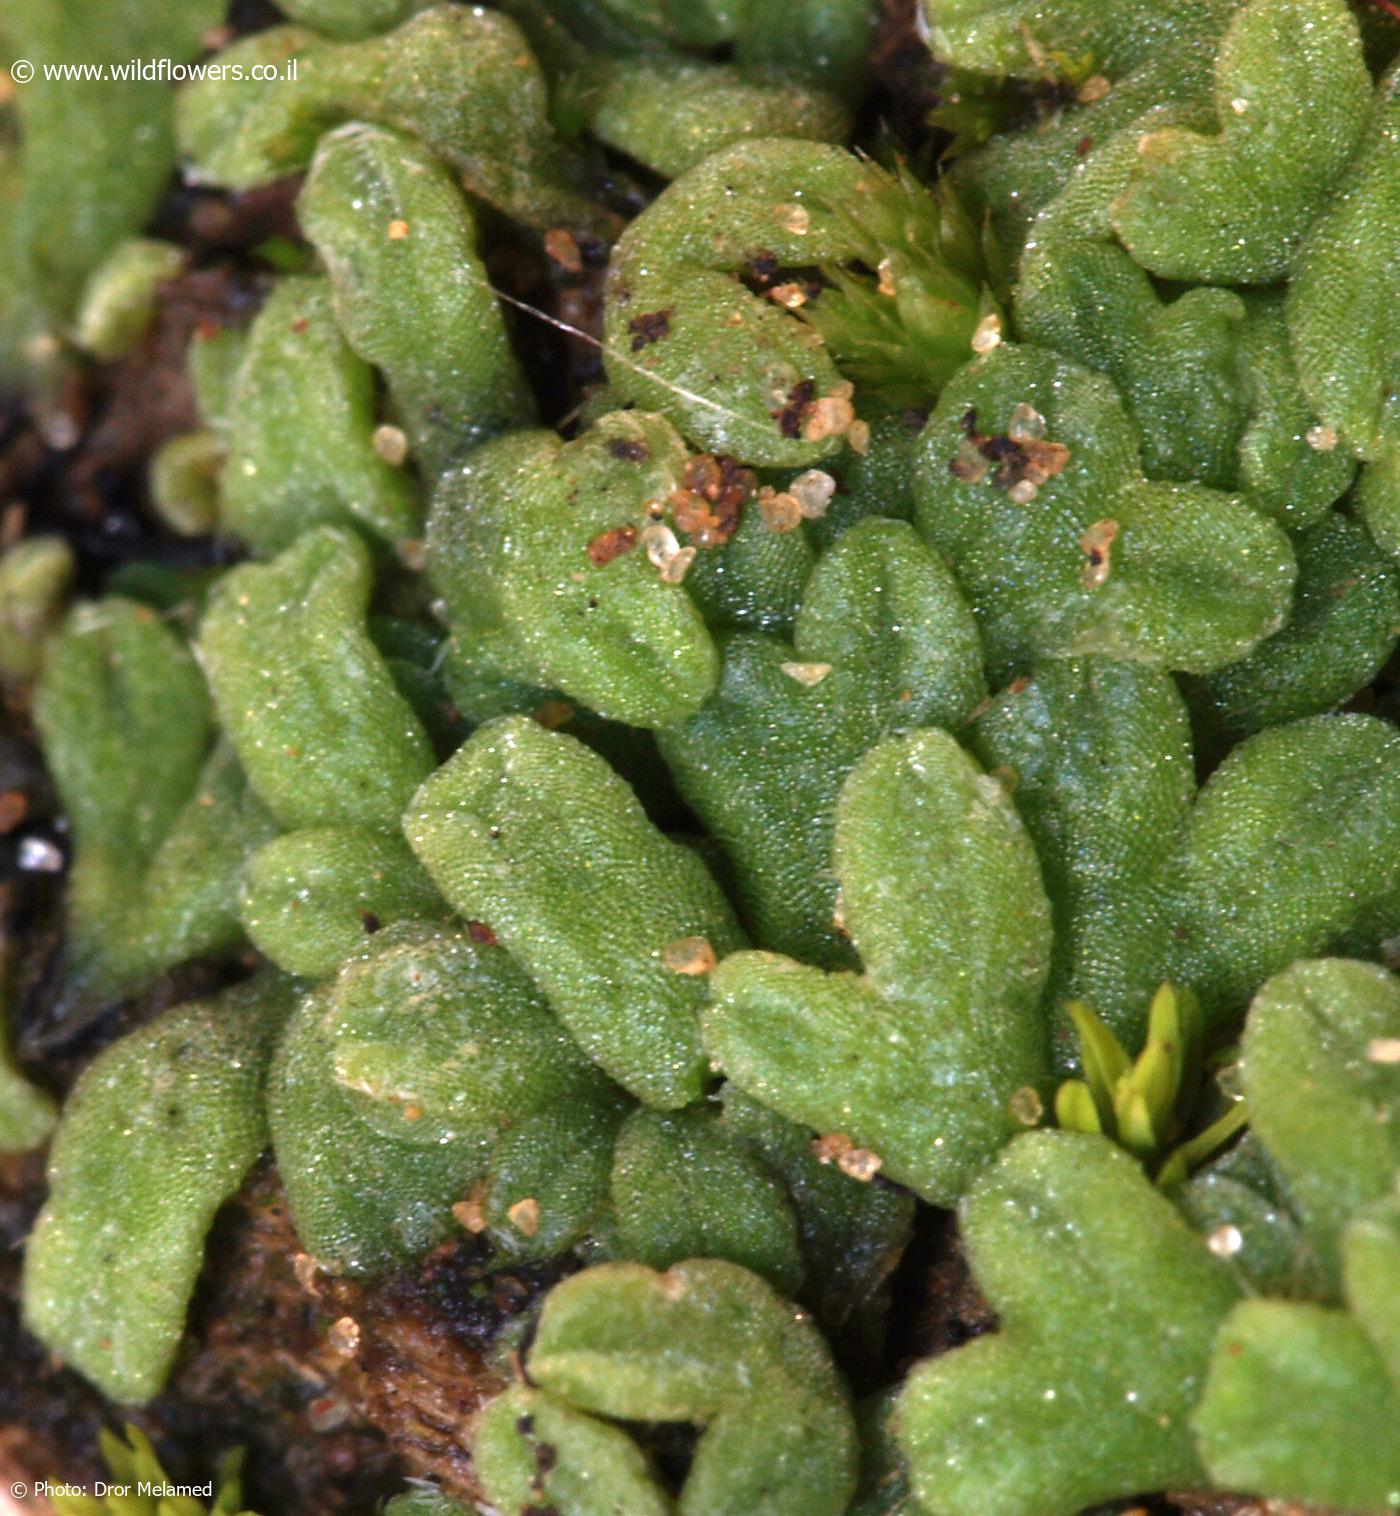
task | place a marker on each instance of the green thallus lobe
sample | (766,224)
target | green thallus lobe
(702,835)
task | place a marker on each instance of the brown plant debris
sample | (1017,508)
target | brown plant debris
(709,505)
(1097,546)
(649,328)
(1018,460)
(611,544)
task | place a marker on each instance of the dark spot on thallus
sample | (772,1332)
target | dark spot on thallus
(648,328)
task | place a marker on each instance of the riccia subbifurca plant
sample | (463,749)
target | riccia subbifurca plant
(889,757)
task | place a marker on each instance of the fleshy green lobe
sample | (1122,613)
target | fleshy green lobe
(1107,1305)
(762,764)
(826,40)
(532,833)
(1175,361)
(1293,95)
(311,898)
(735,372)
(853,1231)
(1292,850)
(1371,1276)
(120,298)
(1286,464)
(1345,621)
(97,152)
(681,1190)
(1326,1109)
(160,850)
(1155,59)
(303,694)
(672,113)
(1243,1188)
(883,607)
(1301,1402)
(460,79)
(1097,757)
(707,1342)
(418,306)
(1299,1407)
(887,638)
(1098,561)
(1028,37)
(530,1447)
(918,1058)
(158,1133)
(350,18)
(395,1080)
(516,548)
(120,685)
(128,928)
(547,1185)
(300,431)
(756,582)
(27,1113)
(1343,312)
(35,576)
